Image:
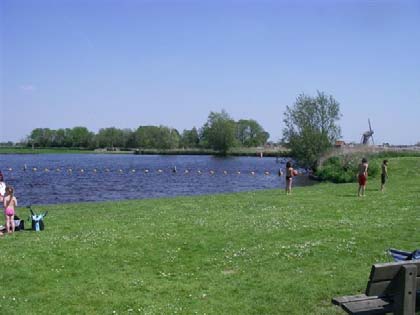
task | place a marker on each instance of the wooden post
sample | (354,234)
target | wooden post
(405,300)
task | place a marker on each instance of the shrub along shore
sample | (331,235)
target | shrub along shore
(341,167)
(244,253)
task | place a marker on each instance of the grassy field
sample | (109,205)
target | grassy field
(247,253)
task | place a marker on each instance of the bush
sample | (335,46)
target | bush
(344,169)
(311,127)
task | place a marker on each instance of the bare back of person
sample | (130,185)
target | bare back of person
(10,204)
(384,169)
(363,169)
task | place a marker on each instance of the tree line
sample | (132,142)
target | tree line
(220,133)
(310,129)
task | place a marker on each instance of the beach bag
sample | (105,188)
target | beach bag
(415,254)
(402,255)
(38,224)
(37,220)
(19,224)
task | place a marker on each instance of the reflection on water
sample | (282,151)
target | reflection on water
(62,178)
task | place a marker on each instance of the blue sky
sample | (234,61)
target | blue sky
(126,63)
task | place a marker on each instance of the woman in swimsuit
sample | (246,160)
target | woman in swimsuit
(289,178)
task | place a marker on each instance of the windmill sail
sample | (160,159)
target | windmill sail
(368,135)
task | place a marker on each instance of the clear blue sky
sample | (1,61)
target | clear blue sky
(126,63)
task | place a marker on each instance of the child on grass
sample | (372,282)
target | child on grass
(9,203)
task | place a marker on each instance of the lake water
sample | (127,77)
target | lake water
(63,178)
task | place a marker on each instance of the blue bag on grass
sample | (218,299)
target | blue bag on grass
(37,220)
(401,255)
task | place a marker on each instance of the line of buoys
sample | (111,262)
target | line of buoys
(146,170)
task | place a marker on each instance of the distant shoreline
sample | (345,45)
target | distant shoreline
(282,152)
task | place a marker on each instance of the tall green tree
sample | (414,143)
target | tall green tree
(250,133)
(68,137)
(154,137)
(174,138)
(311,127)
(128,137)
(147,136)
(82,137)
(218,132)
(112,137)
(59,138)
(41,137)
(190,138)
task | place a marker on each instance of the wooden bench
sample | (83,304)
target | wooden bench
(392,288)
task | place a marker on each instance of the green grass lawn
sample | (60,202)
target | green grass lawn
(246,253)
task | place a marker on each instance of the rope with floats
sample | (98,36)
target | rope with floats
(173,170)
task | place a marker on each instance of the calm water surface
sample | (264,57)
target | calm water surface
(95,177)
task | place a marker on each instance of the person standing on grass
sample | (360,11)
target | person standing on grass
(384,174)
(2,191)
(289,177)
(9,203)
(2,187)
(362,177)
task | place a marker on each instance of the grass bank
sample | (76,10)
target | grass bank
(245,253)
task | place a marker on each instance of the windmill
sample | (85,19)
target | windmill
(367,135)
